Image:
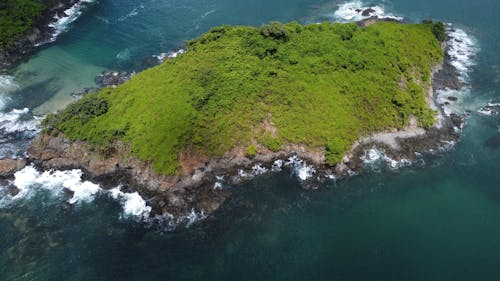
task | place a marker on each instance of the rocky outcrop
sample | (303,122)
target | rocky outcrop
(9,166)
(112,78)
(177,194)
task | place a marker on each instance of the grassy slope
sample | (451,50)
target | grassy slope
(323,85)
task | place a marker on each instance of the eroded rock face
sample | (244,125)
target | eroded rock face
(368,12)
(9,166)
(177,194)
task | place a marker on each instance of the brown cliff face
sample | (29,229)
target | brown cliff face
(9,166)
(177,194)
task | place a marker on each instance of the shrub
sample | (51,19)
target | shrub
(335,150)
(16,18)
(251,150)
(439,31)
(272,143)
(275,30)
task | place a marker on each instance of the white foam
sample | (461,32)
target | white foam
(219,183)
(376,156)
(11,122)
(447,145)
(62,24)
(462,49)
(353,11)
(448,105)
(488,111)
(193,217)
(491,109)
(133,204)
(243,174)
(330,175)
(170,55)
(300,168)
(494,104)
(277,165)
(258,169)
(29,179)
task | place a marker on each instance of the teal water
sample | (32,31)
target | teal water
(434,221)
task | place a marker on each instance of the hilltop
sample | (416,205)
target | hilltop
(323,86)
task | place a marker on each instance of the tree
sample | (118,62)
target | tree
(439,31)
(275,30)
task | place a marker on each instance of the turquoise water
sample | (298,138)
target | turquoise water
(434,221)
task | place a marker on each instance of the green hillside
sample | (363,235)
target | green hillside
(322,85)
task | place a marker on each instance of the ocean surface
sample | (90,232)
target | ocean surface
(436,219)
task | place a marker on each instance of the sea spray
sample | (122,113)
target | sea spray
(29,180)
(133,204)
(357,10)
(462,50)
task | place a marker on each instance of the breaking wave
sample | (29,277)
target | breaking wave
(164,56)
(62,24)
(462,50)
(299,168)
(61,183)
(357,10)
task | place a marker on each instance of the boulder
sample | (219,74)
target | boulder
(368,12)
(9,166)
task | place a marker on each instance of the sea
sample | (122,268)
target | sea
(437,218)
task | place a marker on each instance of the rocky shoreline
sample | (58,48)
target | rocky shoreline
(200,185)
(40,34)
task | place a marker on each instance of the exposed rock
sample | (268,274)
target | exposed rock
(447,77)
(491,109)
(183,192)
(112,78)
(451,98)
(373,20)
(368,12)
(9,166)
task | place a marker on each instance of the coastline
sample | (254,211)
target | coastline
(200,188)
(42,32)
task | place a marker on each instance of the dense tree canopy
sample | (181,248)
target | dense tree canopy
(16,17)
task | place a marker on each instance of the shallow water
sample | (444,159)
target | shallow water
(436,220)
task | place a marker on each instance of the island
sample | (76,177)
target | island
(243,98)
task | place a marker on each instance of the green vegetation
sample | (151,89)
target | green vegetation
(322,85)
(16,18)
(438,29)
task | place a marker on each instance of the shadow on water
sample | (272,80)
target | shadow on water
(35,94)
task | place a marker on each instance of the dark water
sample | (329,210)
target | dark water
(437,221)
